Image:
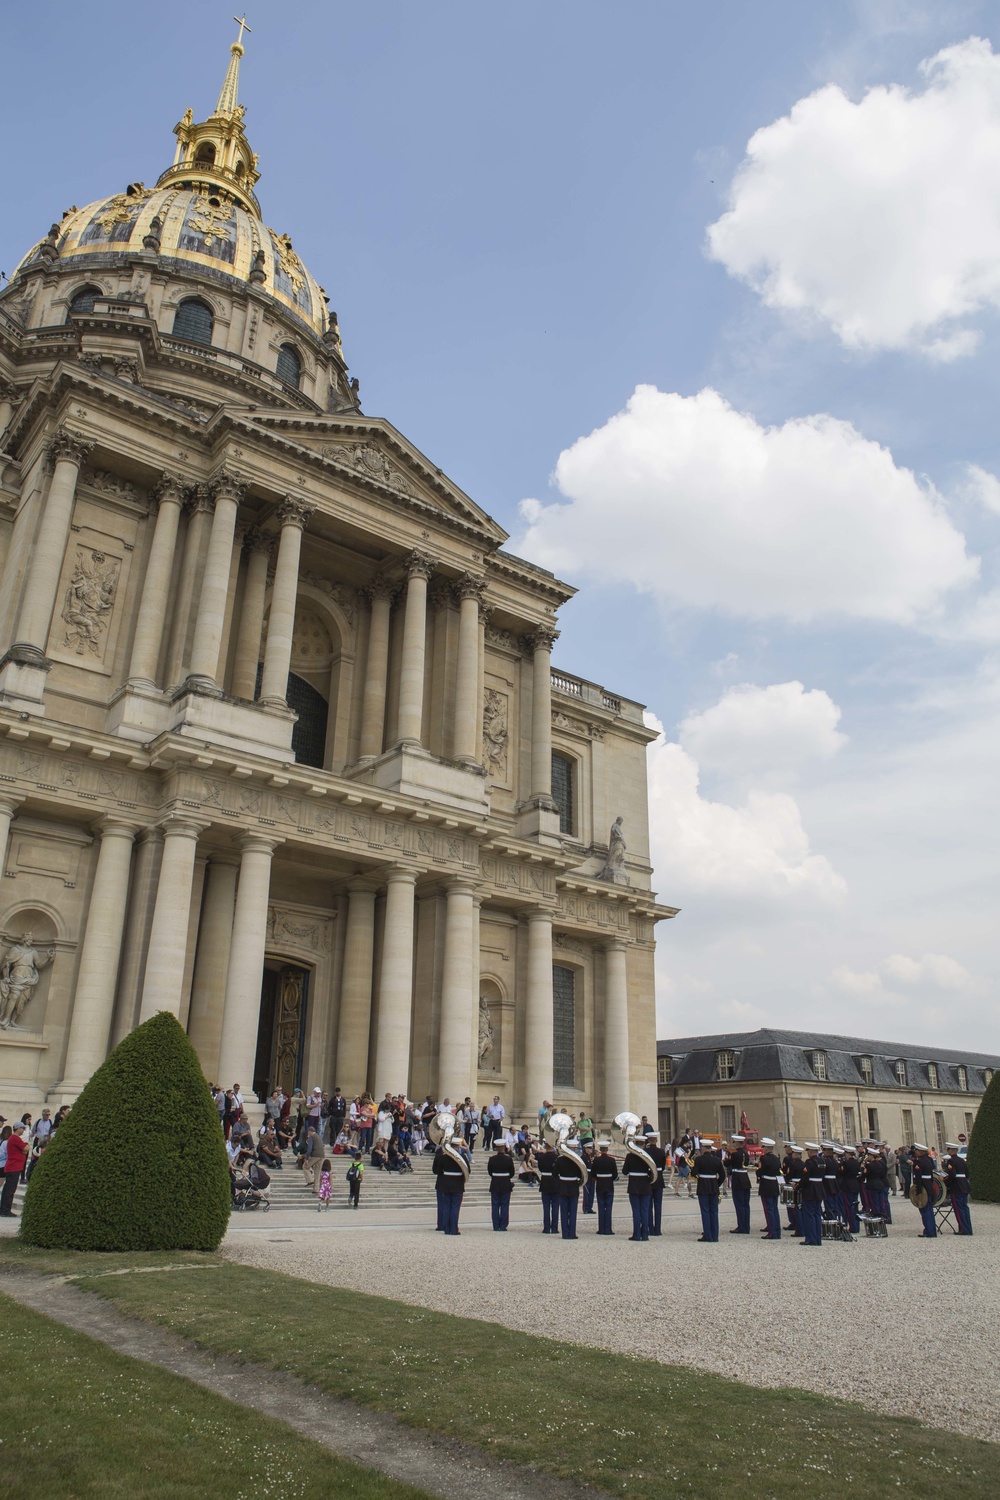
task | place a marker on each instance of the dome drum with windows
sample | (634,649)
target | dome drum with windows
(201,214)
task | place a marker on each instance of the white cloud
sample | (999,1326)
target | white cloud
(698,504)
(745,1015)
(758,852)
(865,985)
(981,487)
(880,218)
(933,968)
(764,731)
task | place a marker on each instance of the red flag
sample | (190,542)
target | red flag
(744,1124)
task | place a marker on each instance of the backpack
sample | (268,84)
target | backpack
(354,1173)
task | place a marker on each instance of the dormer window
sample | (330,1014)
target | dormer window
(664,1069)
(725,1063)
(899,1068)
(963,1078)
(289,365)
(932,1075)
(817,1062)
(867,1070)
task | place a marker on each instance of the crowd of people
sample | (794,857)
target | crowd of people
(22,1142)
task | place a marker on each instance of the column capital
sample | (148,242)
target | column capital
(362,885)
(68,445)
(259,843)
(541,916)
(470,586)
(616,945)
(541,638)
(419,565)
(199,500)
(380,587)
(169,489)
(113,825)
(442,595)
(464,883)
(294,511)
(223,857)
(256,540)
(398,875)
(10,802)
(179,825)
(226,485)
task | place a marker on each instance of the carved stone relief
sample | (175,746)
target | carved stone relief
(89,600)
(496,733)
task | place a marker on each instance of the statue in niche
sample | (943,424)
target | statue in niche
(18,977)
(614,870)
(486,1033)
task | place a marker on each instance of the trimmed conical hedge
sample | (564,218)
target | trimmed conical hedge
(139,1163)
(984,1147)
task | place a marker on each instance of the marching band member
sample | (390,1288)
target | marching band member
(768,1179)
(923,1181)
(851,1188)
(956,1175)
(545,1160)
(831,1182)
(640,1194)
(793,1169)
(811,1209)
(568,1183)
(876,1183)
(501,1173)
(451,1186)
(711,1174)
(656,1151)
(604,1175)
(737,1166)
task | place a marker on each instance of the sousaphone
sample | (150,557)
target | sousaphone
(442,1132)
(563,1126)
(628,1124)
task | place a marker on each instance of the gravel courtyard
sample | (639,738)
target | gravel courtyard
(906,1325)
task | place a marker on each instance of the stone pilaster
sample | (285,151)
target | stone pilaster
(541,642)
(379,595)
(395,999)
(293,513)
(168,498)
(617,1075)
(411,676)
(455,1064)
(467,697)
(259,548)
(354,1026)
(8,810)
(536,1080)
(227,492)
(164,980)
(211,965)
(199,509)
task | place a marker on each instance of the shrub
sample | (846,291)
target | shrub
(139,1163)
(984,1147)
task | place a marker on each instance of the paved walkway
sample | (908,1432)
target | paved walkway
(436,1464)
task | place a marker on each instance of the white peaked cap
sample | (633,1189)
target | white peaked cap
(766,1140)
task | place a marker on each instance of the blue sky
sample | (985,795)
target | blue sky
(511,209)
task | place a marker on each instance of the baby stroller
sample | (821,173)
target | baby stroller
(250,1191)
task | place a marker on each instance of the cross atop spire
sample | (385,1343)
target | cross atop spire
(229,96)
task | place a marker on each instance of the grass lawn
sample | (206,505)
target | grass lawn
(79,1420)
(630,1425)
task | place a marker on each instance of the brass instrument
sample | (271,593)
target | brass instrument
(562,1125)
(628,1124)
(442,1132)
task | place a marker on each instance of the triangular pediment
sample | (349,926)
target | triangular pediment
(373,451)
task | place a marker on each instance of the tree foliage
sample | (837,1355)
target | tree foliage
(139,1163)
(984,1147)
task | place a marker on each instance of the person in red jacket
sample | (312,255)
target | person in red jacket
(17,1156)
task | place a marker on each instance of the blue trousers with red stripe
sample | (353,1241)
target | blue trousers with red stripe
(772,1217)
(960,1203)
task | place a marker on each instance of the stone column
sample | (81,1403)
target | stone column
(97,975)
(454,1062)
(199,508)
(8,808)
(138,922)
(9,396)
(168,497)
(215,584)
(411,676)
(67,453)
(617,1078)
(477,906)
(376,670)
(468,710)
(293,515)
(356,990)
(211,965)
(164,979)
(259,547)
(536,1083)
(241,1014)
(541,642)
(395,994)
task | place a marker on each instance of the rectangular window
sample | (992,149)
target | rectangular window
(664,1069)
(562,792)
(908,1136)
(825,1128)
(726,1065)
(849,1136)
(968,1122)
(901,1073)
(939,1130)
(666,1126)
(932,1075)
(963,1079)
(818,1060)
(563,1027)
(727,1118)
(873,1125)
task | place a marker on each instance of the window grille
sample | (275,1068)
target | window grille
(725,1064)
(193,320)
(939,1130)
(849,1135)
(727,1118)
(873,1125)
(818,1063)
(664,1069)
(963,1079)
(867,1070)
(563,1027)
(932,1075)
(562,791)
(825,1128)
(908,1136)
(83,300)
(900,1071)
(289,365)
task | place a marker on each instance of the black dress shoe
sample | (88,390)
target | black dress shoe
(633,1239)
(703,1239)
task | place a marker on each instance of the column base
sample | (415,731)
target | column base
(23,670)
(414,772)
(232,724)
(138,711)
(538,821)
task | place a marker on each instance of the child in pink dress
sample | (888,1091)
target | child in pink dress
(325,1188)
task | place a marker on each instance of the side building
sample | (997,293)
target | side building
(282,750)
(803,1085)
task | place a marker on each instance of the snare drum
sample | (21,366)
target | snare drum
(787,1191)
(833,1229)
(875,1226)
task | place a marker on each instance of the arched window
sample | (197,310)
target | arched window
(563,1027)
(289,365)
(205,155)
(83,300)
(193,320)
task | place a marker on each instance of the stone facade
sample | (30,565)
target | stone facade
(800,1086)
(277,713)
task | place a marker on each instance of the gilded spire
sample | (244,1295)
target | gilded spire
(229,95)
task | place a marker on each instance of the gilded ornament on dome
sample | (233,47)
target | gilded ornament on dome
(121,208)
(213,221)
(289,261)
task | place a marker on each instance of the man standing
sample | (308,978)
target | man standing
(547,1160)
(604,1175)
(768,1178)
(656,1151)
(851,1188)
(640,1194)
(568,1182)
(312,1158)
(545,1109)
(43,1128)
(831,1182)
(337,1110)
(450,1182)
(711,1174)
(590,1186)
(923,1181)
(956,1175)
(811,1196)
(739,1183)
(501,1170)
(793,1170)
(495,1116)
(17,1156)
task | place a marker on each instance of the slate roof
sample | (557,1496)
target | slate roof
(783,1055)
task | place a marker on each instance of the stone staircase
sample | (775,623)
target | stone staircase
(385,1190)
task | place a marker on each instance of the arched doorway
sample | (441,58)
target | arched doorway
(281,1030)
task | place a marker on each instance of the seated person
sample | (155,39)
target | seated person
(284,1134)
(399,1161)
(529,1169)
(241,1133)
(268,1150)
(380,1159)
